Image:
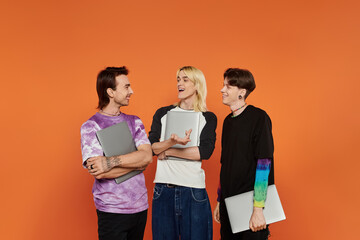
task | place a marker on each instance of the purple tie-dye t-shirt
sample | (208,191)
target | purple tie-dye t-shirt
(129,196)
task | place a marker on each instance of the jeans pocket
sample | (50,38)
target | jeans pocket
(157,191)
(199,194)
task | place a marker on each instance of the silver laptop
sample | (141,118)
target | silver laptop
(178,122)
(240,207)
(117,140)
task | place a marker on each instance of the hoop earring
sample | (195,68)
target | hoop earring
(240,97)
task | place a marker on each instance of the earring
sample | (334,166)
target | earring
(240,97)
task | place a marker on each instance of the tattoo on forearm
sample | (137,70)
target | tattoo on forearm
(108,163)
(117,161)
(104,165)
(112,162)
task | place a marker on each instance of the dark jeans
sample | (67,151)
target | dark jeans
(226,233)
(118,226)
(181,212)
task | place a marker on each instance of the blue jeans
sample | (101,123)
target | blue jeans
(181,211)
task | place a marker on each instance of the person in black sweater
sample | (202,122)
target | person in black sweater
(246,154)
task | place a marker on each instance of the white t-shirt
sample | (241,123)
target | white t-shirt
(184,172)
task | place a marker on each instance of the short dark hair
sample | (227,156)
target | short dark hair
(240,78)
(106,79)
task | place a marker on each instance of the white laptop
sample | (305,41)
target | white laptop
(240,207)
(178,122)
(117,140)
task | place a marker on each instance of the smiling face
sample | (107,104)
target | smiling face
(186,88)
(121,95)
(230,94)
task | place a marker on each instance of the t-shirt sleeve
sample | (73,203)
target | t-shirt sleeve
(155,132)
(140,136)
(264,144)
(208,136)
(90,146)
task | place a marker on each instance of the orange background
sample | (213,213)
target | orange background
(305,59)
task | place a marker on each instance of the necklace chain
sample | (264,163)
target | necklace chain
(238,110)
(114,115)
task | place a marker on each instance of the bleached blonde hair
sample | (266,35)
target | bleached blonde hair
(198,79)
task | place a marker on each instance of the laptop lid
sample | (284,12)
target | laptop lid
(240,207)
(117,140)
(178,122)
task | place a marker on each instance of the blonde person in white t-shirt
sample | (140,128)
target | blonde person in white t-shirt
(180,206)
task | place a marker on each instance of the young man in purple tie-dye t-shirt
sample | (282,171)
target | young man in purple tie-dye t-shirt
(121,208)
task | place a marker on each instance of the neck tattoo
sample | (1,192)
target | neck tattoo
(110,114)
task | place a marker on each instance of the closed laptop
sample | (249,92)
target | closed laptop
(240,208)
(178,122)
(117,140)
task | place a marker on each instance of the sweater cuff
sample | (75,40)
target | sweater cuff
(259,204)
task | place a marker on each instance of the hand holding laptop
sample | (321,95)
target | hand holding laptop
(257,220)
(97,165)
(240,209)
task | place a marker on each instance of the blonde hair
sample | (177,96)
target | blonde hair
(198,79)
